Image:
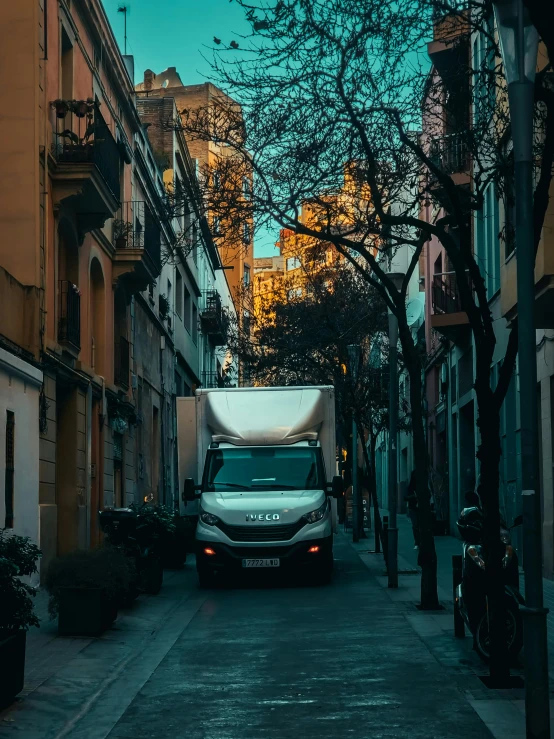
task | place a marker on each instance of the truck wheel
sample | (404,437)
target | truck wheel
(205,579)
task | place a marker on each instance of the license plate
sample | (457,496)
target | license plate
(260,563)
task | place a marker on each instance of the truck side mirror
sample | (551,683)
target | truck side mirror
(189,490)
(337,486)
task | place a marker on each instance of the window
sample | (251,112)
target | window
(216,180)
(246,277)
(151,292)
(246,233)
(187,309)
(264,469)
(246,188)
(169,298)
(9,472)
(178,293)
(216,226)
(66,67)
(195,241)
(246,325)
(293,263)
(194,322)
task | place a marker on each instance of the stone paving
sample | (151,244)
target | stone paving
(247,663)
(503,711)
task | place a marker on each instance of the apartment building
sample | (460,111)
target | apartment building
(88,341)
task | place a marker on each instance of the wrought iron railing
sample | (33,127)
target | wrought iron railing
(212,379)
(82,136)
(214,319)
(135,227)
(121,362)
(445,293)
(450,153)
(69,320)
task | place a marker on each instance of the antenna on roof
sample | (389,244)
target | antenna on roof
(124,9)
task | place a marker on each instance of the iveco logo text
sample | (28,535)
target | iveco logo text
(262,517)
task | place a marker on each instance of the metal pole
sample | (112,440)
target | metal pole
(537,706)
(392,536)
(385,541)
(355,508)
(459,626)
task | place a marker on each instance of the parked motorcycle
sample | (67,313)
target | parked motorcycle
(471,596)
(130,532)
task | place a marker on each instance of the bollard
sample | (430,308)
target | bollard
(459,626)
(385,539)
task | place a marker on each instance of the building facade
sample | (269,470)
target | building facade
(451,407)
(97,334)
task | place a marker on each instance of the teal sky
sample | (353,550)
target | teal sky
(177,33)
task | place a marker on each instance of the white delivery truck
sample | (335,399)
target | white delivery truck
(257,467)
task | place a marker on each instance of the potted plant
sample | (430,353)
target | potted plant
(122,230)
(81,108)
(165,533)
(18,558)
(86,588)
(61,107)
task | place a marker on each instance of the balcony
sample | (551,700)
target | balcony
(450,153)
(136,237)
(448,316)
(213,319)
(212,379)
(69,321)
(121,362)
(84,164)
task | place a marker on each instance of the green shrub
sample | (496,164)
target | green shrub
(18,557)
(106,567)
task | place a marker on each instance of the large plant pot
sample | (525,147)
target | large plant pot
(84,611)
(12,664)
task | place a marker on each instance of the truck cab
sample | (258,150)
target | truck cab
(264,496)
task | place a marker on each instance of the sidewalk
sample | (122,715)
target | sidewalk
(503,711)
(67,678)
(446,546)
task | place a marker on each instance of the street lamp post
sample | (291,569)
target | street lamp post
(354,353)
(397,279)
(519,44)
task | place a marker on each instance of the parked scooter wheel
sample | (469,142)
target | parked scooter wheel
(152,577)
(514,630)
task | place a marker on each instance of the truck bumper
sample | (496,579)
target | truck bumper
(291,557)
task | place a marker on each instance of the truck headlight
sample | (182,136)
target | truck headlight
(317,515)
(208,518)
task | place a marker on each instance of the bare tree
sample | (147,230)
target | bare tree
(336,95)
(300,336)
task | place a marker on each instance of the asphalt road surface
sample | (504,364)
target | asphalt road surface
(252,662)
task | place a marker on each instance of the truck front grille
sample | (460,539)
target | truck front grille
(283,532)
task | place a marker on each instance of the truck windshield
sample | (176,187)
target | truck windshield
(264,468)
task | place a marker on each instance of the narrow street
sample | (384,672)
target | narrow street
(247,662)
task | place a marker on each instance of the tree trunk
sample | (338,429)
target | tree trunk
(427,557)
(372,477)
(489,454)
(359,492)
